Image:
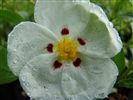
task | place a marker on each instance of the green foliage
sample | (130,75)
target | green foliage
(22,7)
(12,12)
(6,75)
(10,17)
(126,78)
(119,59)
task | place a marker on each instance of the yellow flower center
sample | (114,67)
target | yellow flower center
(66,49)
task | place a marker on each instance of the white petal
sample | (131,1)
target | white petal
(102,39)
(39,79)
(75,84)
(83,19)
(56,14)
(102,72)
(94,79)
(26,41)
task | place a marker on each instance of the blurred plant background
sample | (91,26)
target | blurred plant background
(119,12)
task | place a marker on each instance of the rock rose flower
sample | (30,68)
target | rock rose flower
(66,54)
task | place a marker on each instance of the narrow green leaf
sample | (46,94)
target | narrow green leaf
(126,79)
(128,82)
(6,75)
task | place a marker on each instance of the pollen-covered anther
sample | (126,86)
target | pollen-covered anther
(50,47)
(66,49)
(81,41)
(65,31)
(57,64)
(77,62)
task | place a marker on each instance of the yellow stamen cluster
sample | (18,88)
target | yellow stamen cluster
(66,49)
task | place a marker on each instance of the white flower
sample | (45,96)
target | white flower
(66,54)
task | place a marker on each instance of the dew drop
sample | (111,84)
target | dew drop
(12,36)
(110,24)
(15,61)
(23,79)
(34,69)
(14,50)
(46,89)
(28,93)
(26,84)
(101,95)
(95,70)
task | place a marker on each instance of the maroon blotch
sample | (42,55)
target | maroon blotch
(57,64)
(77,62)
(50,47)
(65,31)
(81,41)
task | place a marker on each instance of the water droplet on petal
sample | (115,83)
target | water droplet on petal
(12,36)
(110,24)
(28,93)
(23,79)
(34,69)
(46,89)
(15,61)
(14,50)
(95,70)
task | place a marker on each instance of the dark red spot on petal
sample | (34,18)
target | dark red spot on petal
(65,31)
(57,64)
(81,41)
(50,47)
(77,62)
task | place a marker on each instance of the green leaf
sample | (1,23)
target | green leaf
(6,75)
(10,17)
(127,82)
(120,61)
(126,79)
